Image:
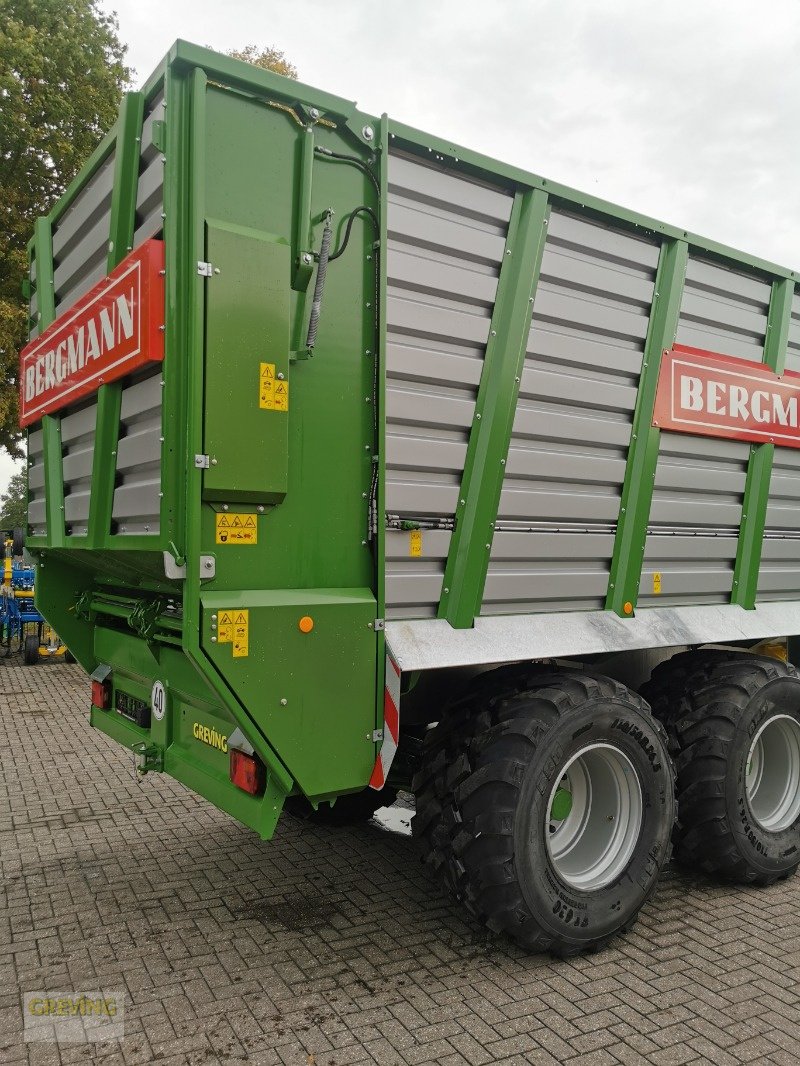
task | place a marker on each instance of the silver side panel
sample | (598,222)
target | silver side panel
(793,351)
(80,249)
(700,481)
(431,644)
(77,449)
(783,508)
(696,568)
(547,571)
(779,577)
(150,194)
(414,583)
(37,516)
(572,426)
(446,240)
(80,238)
(137,497)
(723,311)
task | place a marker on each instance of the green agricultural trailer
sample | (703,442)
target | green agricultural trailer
(359,461)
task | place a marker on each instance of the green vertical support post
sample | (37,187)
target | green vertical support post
(302,272)
(120,242)
(382,251)
(51,424)
(640,472)
(468,560)
(759,467)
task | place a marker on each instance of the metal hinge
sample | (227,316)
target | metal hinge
(173,570)
(205,270)
(202,462)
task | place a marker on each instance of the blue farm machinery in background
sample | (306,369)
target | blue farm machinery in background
(22,627)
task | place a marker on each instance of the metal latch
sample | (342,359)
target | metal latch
(377,734)
(202,462)
(379,624)
(205,270)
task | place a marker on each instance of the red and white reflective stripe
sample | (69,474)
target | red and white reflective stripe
(391,725)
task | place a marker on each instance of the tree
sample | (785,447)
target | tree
(266,58)
(13,508)
(61,79)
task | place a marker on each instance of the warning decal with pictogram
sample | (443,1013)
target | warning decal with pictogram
(236,528)
(273,392)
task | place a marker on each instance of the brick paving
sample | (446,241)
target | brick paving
(333,947)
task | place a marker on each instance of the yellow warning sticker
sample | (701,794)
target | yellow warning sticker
(415,542)
(656,583)
(241,626)
(236,528)
(273,391)
(225,627)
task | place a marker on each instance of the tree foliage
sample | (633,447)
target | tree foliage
(266,58)
(61,79)
(13,507)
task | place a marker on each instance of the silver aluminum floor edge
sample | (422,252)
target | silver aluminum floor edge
(432,643)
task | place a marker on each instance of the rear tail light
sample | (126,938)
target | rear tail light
(101,694)
(247,772)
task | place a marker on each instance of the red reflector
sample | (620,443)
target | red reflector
(247,773)
(101,694)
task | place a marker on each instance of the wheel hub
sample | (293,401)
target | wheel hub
(594,817)
(772,781)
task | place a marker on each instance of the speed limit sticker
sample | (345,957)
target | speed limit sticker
(158,701)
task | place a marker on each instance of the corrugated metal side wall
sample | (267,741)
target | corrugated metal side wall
(779,578)
(446,240)
(697,502)
(80,249)
(566,463)
(37,514)
(77,450)
(137,496)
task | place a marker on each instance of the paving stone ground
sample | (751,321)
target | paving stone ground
(333,947)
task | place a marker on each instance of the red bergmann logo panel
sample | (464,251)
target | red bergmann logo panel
(110,332)
(717,395)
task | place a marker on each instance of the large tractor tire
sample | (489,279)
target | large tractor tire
(546,803)
(734,728)
(30,650)
(17,542)
(353,809)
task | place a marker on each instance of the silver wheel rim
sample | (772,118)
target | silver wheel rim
(590,837)
(772,782)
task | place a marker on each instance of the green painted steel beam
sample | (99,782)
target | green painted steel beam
(51,424)
(126,178)
(640,472)
(120,242)
(759,467)
(382,252)
(484,468)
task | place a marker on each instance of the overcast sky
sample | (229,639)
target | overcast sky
(687,111)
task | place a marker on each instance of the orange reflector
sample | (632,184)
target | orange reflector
(247,773)
(305,624)
(628,607)
(101,694)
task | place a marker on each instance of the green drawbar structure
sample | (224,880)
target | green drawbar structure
(359,461)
